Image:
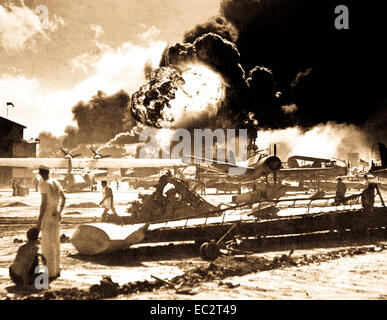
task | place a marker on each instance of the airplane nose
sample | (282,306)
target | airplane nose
(274,163)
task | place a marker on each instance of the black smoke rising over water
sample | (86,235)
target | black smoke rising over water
(49,145)
(98,120)
(338,75)
(262,47)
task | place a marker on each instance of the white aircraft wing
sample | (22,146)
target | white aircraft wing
(220,166)
(118,163)
(114,163)
(197,160)
(298,170)
(33,163)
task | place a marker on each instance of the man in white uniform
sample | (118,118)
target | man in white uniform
(107,201)
(53,201)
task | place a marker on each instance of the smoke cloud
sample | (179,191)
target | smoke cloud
(217,25)
(49,145)
(329,140)
(310,59)
(98,120)
(282,61)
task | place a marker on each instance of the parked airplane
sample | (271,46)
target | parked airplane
(75,182)
(78,182)
(318,169)
(259,165)
(114,163)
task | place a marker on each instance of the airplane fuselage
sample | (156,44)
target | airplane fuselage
(254,168)
(263,167)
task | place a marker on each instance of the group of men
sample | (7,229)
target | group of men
(22,271)
(367,195)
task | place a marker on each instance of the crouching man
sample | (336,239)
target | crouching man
(23,270)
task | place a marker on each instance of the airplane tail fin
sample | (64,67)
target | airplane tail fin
(231,157)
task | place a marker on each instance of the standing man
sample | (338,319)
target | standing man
(15,186)
(341,188)
(36,183)
(107,200)
(53,201)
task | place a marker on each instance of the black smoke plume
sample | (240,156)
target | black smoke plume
(98,120)
(49,145)
(281,60)
(337,75)
(217,25)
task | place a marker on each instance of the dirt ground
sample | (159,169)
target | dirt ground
(331,269)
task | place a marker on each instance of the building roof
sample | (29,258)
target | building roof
(12,122)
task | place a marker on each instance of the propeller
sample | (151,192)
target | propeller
(68,153)
(97,155)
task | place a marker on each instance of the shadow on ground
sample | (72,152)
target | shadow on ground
(135,256)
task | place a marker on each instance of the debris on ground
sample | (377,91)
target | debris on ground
(16,240)
(189,282)
(229,285)
(177,201)
(64,239)
(83,205)
(181,289)
(378,248)
(106,289)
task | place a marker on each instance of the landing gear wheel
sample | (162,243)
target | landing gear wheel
(209,251)
(212,251)
(203,249)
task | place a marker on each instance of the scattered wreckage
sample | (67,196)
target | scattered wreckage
(179,214)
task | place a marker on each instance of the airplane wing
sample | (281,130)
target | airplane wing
(33,163)
(220,166)
(215,162)
(300,170)
(113,163)
(305,158)
(379,173)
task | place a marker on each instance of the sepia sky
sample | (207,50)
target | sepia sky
(85,47)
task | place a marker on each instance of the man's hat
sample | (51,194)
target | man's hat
(44,167)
